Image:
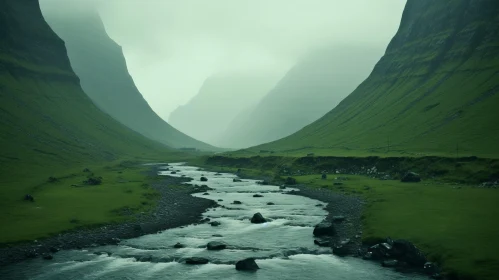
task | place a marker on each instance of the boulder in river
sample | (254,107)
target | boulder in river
(204,179)
(258,219)
(324,229)
(47,257)
(340,250)
(216,245)
(178,245)
(405,251)
(173,172)
(257,195)
(237,202)
(322,243)
(270,203)
(248,264)
(215,223)
(220,200)
(390,263)
(206,193)
(411,177)
(196,260)
(235,180)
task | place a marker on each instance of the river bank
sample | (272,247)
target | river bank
(176,207)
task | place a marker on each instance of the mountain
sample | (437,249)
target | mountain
(47,122)
(434,92)
(309,90)
(220,98)
(100,64)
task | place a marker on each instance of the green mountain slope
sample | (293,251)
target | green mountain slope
(100,64)
(435,91)
(47,123)
(219,100)
(309,90)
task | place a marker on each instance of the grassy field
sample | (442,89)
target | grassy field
(453,224)
(68,203)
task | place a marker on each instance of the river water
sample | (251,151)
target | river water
(283,247)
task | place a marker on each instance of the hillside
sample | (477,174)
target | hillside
(47,123)
(310,89)
(219,100)
(100,64)
(434,92)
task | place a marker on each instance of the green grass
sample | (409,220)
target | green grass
(422,98)
(124,185)
(454,225)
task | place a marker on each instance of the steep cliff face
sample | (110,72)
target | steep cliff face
(46,120)
(435,91)
(100,64)
(220,98)
(310,89)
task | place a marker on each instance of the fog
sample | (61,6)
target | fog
(171,47)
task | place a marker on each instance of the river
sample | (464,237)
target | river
(283,247)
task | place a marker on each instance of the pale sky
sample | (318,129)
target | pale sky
(171,47)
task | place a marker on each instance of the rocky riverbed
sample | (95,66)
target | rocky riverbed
(176,207)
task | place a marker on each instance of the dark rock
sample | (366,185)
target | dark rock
(270,203)
(220,200)
(290,181)
(390,263)
(173,172)
(203,179)
(380,251)
(282,187)
(216,245)
(237,202)
(53,250)
(235,180)
(47,257)
(319,205)
(322,243)
(217,235)
(405,251)
(339,219)
(257,195)
(29,197)
(248,264)
(431,269)
(196,260)
(206,193)
(264,183)
(324,229)
(178,245)
(205,220)
(215,223)
(258,219)
(340,250)
(411,177)
(93,181)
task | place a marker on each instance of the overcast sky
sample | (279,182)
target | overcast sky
(171,47)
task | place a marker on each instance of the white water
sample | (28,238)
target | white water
(283,247)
